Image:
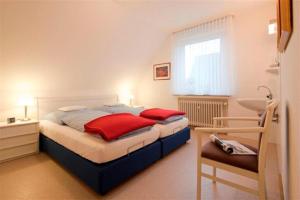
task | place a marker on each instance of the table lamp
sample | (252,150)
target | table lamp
(131,98)
(25,101)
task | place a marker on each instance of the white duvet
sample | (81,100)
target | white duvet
(94,148)
(172,128)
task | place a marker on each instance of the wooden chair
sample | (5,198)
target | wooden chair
(250,166)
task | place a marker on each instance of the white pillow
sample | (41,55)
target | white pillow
(72,108)
(115,105)
(55,116)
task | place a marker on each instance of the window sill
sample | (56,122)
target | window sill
(204,96)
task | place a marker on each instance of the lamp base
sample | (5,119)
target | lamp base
(25,119)
(25,116)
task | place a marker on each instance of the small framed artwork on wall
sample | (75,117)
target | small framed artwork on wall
(162,71)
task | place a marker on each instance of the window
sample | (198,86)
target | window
(202,59)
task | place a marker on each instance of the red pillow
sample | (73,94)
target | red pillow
(160,114)
(113,126)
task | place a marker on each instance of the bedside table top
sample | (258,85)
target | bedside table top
(18,123)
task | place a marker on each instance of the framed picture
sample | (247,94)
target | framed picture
(162,71)
(284,23)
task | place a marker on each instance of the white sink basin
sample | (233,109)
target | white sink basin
(255,104)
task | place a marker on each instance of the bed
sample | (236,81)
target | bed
(102,177)
(172,135)
(95,148)
(105,167)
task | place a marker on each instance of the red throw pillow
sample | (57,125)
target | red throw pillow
(113,126)
(160,114)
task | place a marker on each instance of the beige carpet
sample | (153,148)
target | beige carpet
(38,177)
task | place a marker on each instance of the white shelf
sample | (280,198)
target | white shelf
(273,69)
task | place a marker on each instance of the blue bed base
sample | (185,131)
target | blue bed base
(172,142)
(104,177)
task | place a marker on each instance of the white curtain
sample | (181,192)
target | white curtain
(202,59)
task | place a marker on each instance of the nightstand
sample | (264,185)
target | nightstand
(18,139)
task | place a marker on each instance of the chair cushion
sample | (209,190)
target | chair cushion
(248,162)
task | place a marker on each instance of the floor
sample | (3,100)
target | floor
(38,177)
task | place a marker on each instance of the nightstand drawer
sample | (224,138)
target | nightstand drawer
(18,130)
(18,141)
(7,154)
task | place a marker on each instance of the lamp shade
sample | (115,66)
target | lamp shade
(130,96)
(25,100)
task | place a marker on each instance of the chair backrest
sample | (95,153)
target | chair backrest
(264,139)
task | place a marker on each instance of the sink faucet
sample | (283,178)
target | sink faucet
(269,95)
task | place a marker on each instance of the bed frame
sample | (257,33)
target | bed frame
(104,177)
(172,142)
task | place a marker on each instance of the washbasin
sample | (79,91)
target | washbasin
(255,104)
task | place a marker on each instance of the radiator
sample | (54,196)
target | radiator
(200,110)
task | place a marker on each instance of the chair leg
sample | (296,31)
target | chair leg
(262,187)
(214,174)
(199,177)
(199,166)
(199,184)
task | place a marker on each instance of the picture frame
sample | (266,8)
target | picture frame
(284,24)
(162,71)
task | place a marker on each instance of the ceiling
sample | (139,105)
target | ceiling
(173,15)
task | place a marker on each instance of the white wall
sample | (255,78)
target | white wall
(290,111)
(255,51)
(1,41)
(71,48)
(53,48)
(154,93)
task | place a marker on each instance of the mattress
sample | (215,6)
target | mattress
(172,128)
(94,148)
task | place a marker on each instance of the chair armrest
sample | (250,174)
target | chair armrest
(231,130)
(236,118)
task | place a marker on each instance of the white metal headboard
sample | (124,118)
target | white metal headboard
(50,104)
